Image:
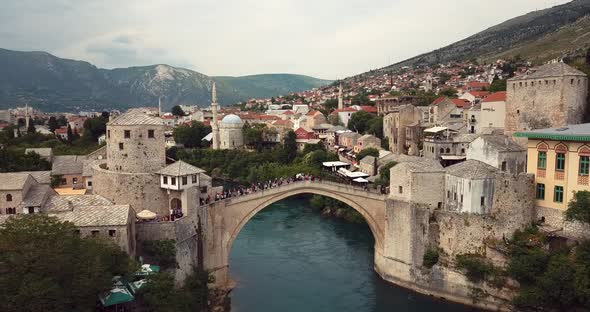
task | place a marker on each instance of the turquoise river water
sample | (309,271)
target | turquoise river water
(290,258)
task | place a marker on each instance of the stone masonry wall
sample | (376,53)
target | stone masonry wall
(139,153)
(139,190)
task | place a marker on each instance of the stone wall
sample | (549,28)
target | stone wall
(545,103)
(556,218)
(139,190)
(139,153)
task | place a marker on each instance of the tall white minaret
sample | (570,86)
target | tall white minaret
(27,116)
(340,99)
(215,123)
(160,106)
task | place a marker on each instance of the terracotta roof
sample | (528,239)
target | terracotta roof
(282,122)
(369,108)
(479,94)
(477,84)
(496,97)
(439,100)
(460,103)
(288,113)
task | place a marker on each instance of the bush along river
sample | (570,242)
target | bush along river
(291,258)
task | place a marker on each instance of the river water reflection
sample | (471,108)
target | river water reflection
(289,258)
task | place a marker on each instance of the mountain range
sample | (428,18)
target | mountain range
(537,36)
(50,83)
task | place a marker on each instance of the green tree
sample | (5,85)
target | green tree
(52,124)
(498,85)
(289,147)
(376,127)
(330,105)
(254,136)
(360,121)
(191,136)
(70,134)
(177,111)
(95,127)
(367,152)
(31,128)
(384,173)
(51,268)
(448,92)
(579,207)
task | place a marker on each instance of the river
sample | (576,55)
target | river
(289,258)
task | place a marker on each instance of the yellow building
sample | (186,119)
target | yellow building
(560,160)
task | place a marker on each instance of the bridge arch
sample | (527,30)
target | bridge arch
(353,203)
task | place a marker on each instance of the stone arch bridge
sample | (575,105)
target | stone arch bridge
(223,220)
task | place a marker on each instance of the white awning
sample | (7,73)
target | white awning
(352,175)
(341,149)
(208,137)
(335,164)
(436,129)
(361,180)
(452,157)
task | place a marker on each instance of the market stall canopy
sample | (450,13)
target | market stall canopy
(361,180)
(146,215)
(117,295)
(350,174)
(452,157)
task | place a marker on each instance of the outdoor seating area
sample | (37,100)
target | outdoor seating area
(121,297)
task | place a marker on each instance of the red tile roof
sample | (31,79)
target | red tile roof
(369,108)
(479,94)
(496,97)
(477,84)
(439,100)
(460,103)
(288,113)
(282,122)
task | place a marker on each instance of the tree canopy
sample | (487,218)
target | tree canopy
(46,266)
(360,121)
(177,111)
(579,207)
(191,136)
(367,152)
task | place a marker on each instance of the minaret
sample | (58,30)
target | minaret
(214,124)
(340,99)
(27,116)
(160,106)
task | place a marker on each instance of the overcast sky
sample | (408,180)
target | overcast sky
(322,38)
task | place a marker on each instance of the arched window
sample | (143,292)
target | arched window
(442,150)
(8,197)
(448,150)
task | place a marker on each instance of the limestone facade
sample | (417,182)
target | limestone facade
(552,95)
(402,127)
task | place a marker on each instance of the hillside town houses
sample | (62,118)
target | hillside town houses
(454,151)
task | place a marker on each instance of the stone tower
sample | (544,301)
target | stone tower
(27,117)
(135,143)
(340,99)
(215,123)
(552,95)
(160,106)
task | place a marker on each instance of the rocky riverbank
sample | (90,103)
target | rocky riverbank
(346,213)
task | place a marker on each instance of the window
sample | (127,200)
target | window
(558,195)
(151,134)
(455,196)
(8,197)
(165,180)
(89,183)
(74,180)
(560,162)
(572,81)
(482,200)
(542,160)
(518,111)
(112,233)
(127,134)
(400,189)
(442,150)
(194,178)
(504,166)
(184,180)
(121,146)
(448,194)
(173,181)
(31,210)
(584,165)
(448,150)
(95,233)
(540,191)
(108,134)
(461,198)
(63,181)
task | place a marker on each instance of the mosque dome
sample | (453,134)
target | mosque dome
(231,119)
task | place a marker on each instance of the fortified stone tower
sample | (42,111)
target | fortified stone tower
(553,95)
(136,151)
(135,143)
